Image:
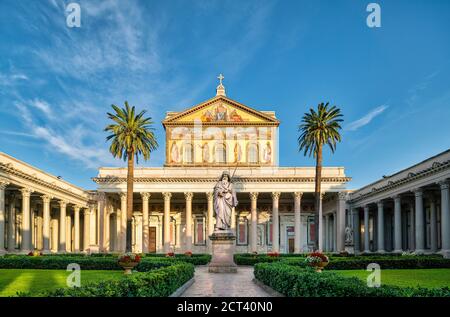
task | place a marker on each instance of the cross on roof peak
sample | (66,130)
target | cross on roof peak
(220,77)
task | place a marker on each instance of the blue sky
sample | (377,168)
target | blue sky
(392,83)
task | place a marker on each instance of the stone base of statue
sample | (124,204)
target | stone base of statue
(222,261)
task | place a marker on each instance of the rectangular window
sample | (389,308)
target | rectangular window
(242,231)
(199,231)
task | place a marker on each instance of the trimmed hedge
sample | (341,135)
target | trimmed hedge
(157,283)
(401,262)
(305,282)
(94,262)
(353,262)
(85,262)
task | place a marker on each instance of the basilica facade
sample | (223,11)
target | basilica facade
(173,204)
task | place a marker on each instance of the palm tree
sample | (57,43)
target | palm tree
(318,129)
(132,136)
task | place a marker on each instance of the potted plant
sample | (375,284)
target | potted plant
(318,260)
(273,254)
(128,261)
(188,253)
(170,254)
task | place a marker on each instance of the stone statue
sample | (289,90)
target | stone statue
(348,235)
(224,201)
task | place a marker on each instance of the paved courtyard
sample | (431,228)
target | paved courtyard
(238,284)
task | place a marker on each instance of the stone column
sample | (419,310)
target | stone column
(145,222)
(46,225)
(54,244)
(380,226)
(210,216)
(166,229)
(26,221)
(397,224)
(62,226)
(188,243)
(411,232)
(122,239)
(420,241)
(356,230)
(86,229)
(68,233)
(445,218)
(101,202)
(366,229)
(254,222)
(11,224)
(320,224)
(76,224)
(340,223)
(327,230)
(92,226)
(275,222)
(2,216)
(297,219)
(433,224)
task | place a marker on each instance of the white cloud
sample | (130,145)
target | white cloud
(355,125)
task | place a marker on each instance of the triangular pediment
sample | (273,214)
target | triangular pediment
(221,110)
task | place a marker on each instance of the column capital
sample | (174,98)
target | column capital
(76,208)
(396,197)
(380,204)
(3,184)
(297,195)
(342,195)
(46,198)
(63,203)
(209,196)
(145,195)
(418,192)
(276,195)
(167,195)
(101,196)
(188,196)
(26,192)
(253,195)
(366,207)
(444,184)
(123,196)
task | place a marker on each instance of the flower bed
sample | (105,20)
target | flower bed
(156,283)
(305,282)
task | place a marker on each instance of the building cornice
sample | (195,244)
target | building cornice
(435,168)
(118,180)
(9,170)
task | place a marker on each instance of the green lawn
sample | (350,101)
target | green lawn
(428,278)
(34,281)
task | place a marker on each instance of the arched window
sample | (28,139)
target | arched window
(252,153)
(221,154)
(188,153)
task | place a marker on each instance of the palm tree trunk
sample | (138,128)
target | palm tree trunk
(318,180)
(130,181)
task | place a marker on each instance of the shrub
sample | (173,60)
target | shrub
(85,262)
(305,282)
(157,283)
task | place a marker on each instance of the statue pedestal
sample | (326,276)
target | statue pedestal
(223,244)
